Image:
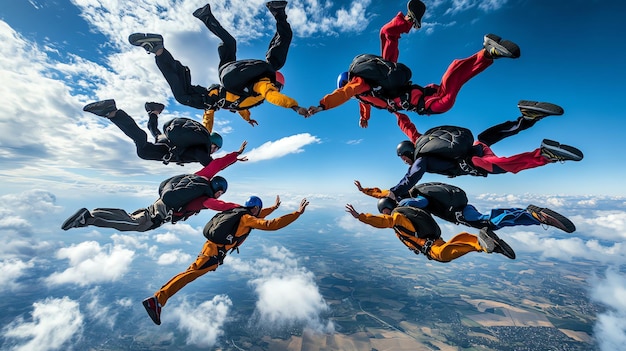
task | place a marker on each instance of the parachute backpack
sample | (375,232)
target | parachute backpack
(424,224)
(450,142)
(183,133)
(388,77)
(238,77)
(222,227)
(177,191)
(444,200)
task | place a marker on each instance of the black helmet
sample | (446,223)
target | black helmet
(386,202)
(406,148)
(219,183)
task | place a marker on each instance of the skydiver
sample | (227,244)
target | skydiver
(434,153)
(418,231)
(449,203)
(266,86)
(428,100)
(251,216)
(163,149)
(179,198)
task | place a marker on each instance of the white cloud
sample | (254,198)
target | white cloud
(91,263)
(55,322)
(610,327)
(167,238)
(287,293)
(175,256)
(12,270)
(281,147)
(203,323)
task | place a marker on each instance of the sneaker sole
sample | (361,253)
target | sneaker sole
(139,38)
(552,218)
(543,107)
(507,48)
(568,153)
(101,108)
(151,313)
(489,245)
(505,249)
(69,223)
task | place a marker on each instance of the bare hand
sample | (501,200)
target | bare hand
(363,123)
(303,204)
(242,147)
(313,110)
(358,185)
(302,111)
(277,203)
(350,209)
(242,159)
(253,122)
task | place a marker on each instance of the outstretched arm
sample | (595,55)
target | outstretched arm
(219,164)
(373,192)
(407,127)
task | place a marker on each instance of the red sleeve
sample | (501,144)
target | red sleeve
(354,87)
(219,205)
(364,110)
(217,165)
(407,127)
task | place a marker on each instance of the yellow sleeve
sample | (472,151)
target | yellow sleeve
(245,114)
(270,93)
(386,221)
(207,119)
(375,192)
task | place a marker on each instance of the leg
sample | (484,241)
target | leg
(208,260)
(458,246)
(145,150)
(495,164)
(500,131)
(511,217)
(227,49)
(457,74)
(179,79)
(279,46)
(139,221)
(390,35)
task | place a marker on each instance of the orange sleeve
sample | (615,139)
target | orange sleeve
(386,221)
(354,87)
(375,192)
(268,90)
(250,222)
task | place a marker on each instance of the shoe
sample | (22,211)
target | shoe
(277,9)
(101,108)
(415,11)
(154,107)
(150,42)
(203,12)
(551,218)
(497,48)
(78,219)
(493,243)
(153,307)
(554,151)
(538,110)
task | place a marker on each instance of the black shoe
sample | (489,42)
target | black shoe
(78,219)
(554,151)
(203,12)
(551,218)
(153,307)
(154,107)
(415,11)
(493,243)
(101,108)
(538,110)
(277,8)
(149,41)
(497,48)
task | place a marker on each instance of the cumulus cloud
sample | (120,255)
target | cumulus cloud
(287,294)
(610,327)
(458,6)
(12,270)
(54,323)
(174,256)
(167,238)
(204,323)
(281,147)
(92,263)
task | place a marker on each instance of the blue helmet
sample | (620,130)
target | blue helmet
(216,139)
(386,202)
(342,79)
(219,183)
(254,201)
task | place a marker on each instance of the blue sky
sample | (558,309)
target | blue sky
(57,57)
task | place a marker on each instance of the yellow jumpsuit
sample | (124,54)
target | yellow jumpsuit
(440,250)
(209,258)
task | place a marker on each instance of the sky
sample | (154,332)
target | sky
(57,56)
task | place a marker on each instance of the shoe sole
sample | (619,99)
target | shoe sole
(156,319)
(546,108)
(138,39)
(552,218)
(568,153)
(101,108)
(505,249)
(154,106)
(506,48)
(488,245)
(69,223)
(202,12)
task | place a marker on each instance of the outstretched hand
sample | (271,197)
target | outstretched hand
(363,123)
(301,111)
(358,185)
(277,203)
(350,209)
(313,110)
(242,147)
(253,122)
(303,204)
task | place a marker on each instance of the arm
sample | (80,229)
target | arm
(248,221)
(373,192)
(207,119)
(407,127)
(218,205)
(377,221)
(364,112)
(268,210)
(354,87)
(412,177)
(245,114)
(218,164)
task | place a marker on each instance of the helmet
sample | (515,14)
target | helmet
(219,183)
(386,202)
(342,79)
(280,80)
(406,148)
(216,139)
(254,201)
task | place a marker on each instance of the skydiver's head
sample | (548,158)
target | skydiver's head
(406,151)
(255,205)
(219,186)
(216,142)
(386,205)
(342,79)
(280,81)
